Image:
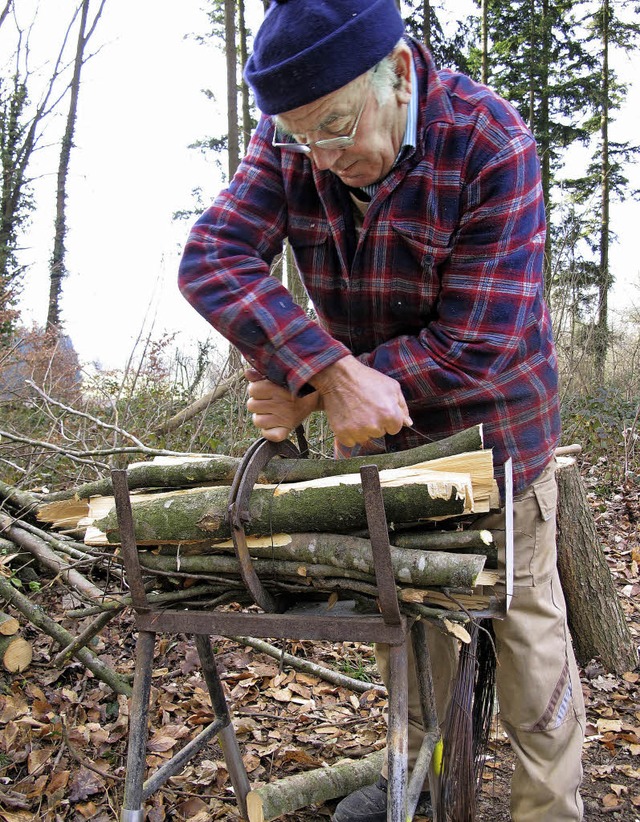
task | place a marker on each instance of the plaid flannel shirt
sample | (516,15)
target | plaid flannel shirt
(441,289)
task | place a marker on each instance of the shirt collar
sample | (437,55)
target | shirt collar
(410,139)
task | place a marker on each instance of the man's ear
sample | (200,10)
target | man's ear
(402,85)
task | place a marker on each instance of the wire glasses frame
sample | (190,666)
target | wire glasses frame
(329,144)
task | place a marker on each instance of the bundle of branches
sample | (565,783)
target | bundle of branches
(307,526)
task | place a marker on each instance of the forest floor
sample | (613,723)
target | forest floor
(63,733)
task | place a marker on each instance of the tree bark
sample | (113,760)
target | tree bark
(221,470)
(185,516)
(312,787)
(596,618)
(335,552)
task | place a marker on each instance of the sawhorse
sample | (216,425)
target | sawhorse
(388,626)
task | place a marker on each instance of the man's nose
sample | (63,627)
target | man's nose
(325,158)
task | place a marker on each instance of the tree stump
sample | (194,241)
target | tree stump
(595,615)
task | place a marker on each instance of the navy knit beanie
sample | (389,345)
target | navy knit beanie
(305,49)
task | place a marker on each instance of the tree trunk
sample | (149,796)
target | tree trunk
(57,268)
(601,339)
(596,618)
(312,787)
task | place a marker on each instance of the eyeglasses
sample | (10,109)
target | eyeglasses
(330,144)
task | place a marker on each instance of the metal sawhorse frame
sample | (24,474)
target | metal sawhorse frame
(389,626)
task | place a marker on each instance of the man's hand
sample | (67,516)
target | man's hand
(276,411)
(360,402)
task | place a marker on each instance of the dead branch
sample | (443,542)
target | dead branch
(49,559)
(308,667)
(37,617)
(200,405)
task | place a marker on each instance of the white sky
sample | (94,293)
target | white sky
(140,106)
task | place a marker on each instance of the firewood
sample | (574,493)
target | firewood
(15,653)
(329,504)
(9,626)
(312,787)
(302,553)
(181,472)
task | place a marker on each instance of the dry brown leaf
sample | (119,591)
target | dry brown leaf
(37,759)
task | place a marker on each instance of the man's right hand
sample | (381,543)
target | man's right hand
(360,402)
(276,411)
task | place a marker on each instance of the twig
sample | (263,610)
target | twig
(78,456)
(75,753)
(84,415)
(37,617)
(305,666)
(49,559)
(164,598)
(83,638)
(199,405)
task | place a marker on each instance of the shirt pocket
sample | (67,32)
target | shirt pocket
(415,278)
(309,240)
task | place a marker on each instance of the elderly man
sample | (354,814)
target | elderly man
(411,199)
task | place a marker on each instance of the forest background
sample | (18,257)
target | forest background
(118,127)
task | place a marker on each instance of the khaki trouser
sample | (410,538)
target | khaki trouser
(539,691)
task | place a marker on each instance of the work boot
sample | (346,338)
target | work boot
(369,804)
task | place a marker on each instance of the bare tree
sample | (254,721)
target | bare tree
(21,127)
(57,270)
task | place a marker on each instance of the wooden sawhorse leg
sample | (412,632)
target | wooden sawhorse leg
(227,736)
(425,760)
(136,790)
(397,734)
(131,810)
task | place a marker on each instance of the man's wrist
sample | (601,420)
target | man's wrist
(325,379)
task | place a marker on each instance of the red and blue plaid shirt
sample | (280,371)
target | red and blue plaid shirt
(441,289)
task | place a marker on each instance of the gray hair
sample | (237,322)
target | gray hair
(384,78)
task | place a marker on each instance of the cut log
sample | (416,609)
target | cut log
(312,787)
(335,505)
(177,472)
(595,615)
(15,653)
(9,626)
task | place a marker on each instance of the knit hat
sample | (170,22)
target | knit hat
(305,49)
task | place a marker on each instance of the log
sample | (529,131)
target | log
(337,552)
(595,615)
(175,472)
(312,787)
(9,626)
(193,515)
(15,653)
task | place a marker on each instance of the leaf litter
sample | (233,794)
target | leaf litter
(63,733)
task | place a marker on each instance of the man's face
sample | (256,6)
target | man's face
(379,131)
